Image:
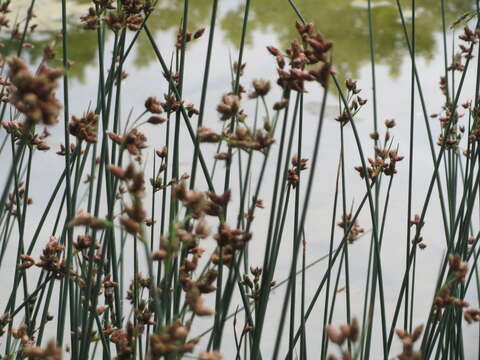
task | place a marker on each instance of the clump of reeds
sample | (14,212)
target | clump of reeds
(133,269)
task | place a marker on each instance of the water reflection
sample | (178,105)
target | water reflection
(343,21)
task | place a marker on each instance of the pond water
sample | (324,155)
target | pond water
(272,23)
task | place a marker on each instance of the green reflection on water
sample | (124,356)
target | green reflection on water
(343,21)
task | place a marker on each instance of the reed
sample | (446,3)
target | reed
(120,265)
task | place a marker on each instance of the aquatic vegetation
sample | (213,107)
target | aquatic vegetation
(109,261)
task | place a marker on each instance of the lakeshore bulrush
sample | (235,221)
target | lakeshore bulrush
(143,247)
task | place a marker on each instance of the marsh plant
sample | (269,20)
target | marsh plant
(133,258)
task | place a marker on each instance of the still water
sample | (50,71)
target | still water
(272,23)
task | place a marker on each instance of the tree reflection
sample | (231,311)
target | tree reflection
(343,21)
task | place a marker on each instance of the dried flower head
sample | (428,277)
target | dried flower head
(153,105)
(84,128)
(33,94)
(50,352)
(261,88)
(135,141)
(172,340)
(408,340)
(229,107)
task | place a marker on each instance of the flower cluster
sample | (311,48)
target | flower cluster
(135,212)
(131,15)
(471,315)
(470,37)
(253,285)
(261,88)
(450,135)
(83,218)
(444,297)
(314,51)
(123,339)
(355,229)
(134,141)
(188,36)
(293,176)
(194,290)
(229,241)
(200,204)
(50,352)
(385,159)
(33,94)
(354,102)
(85,127)
(51,261)
(346,332)
(154,106)
(243,138)
(229,106)
(172,340)
(12,204)
(4,10)
(458,267)
(22,132)
(408,340)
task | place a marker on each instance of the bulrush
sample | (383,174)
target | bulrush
(314,53)
(34,94)
(131,15)
(229,241)
(207,135)
(156,120)
(236,238)
(5,319)
(13,127)
(346,332)
(172,340)
(444,297)
(244,139)
(195,201)
(26,262)
(279,105)
(63,150)
(83,242)
(222,199)
(261,88)
(229,107)
(408,340)
(90,19)
(124,340)
(134,178)
(153,105)
(118,172)
(85,127)
(162,154)
(50,260)
(50,352)
(105,4)
(84,218)
(294,173)
(188,36)
(210,355)
(355,229)
(255,284)
(168,248)
(385,159)
(458,267)
(355,103)
(202,229)
(196,304)
(471,315)
(134,141)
